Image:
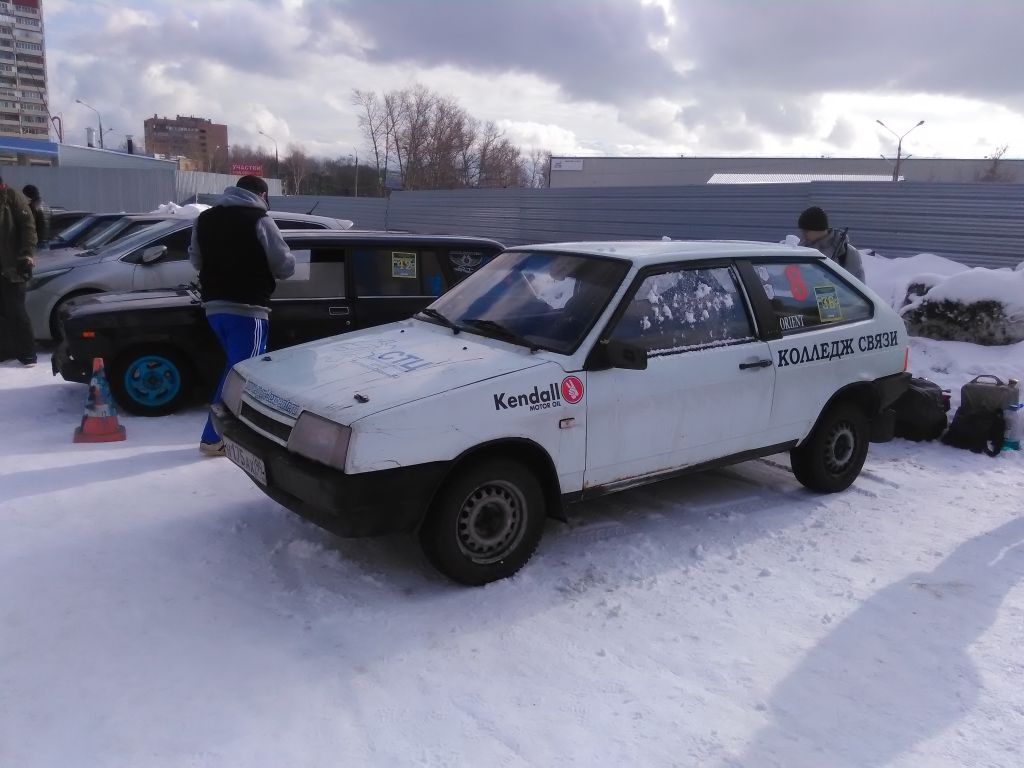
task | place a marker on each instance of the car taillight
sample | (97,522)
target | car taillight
(88,334)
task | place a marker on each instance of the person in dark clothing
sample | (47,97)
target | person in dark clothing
(813,224)
(17,246)
(240,255)
(40,212)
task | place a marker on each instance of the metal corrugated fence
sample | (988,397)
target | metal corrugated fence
(977,224)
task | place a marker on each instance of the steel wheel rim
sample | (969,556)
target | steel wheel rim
(491,522)
(840,448)
(152,381)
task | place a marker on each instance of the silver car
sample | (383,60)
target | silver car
(155,257)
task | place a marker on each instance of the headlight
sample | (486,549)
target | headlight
(44,278)
(320,440)
(232,392)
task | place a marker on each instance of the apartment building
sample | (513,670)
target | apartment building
(23,93)
(202,141)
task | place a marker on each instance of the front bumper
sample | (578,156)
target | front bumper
(365,504)
(69,368)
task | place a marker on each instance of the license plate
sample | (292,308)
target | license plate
(247,460)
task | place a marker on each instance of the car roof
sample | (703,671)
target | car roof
(643,252)
(376,234)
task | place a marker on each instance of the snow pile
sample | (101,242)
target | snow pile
(977,285)
(189,211)
(942,299)
(891,278)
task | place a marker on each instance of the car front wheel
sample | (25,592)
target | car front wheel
(833,456)
(151,382)
(485,523)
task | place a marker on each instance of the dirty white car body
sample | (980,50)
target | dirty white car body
(675,356)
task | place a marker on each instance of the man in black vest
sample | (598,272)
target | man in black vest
(240,255)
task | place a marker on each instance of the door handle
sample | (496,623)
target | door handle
(339,311)
(758,364)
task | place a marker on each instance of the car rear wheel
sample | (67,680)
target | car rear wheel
(833,456)
(485,523)
(151,382)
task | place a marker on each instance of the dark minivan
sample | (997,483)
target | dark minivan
(160,352)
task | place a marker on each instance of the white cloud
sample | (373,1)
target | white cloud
(691,81)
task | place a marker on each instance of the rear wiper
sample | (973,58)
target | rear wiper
(430,312)
(501,330)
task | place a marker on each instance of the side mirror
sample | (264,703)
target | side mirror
(630,357)
(153,253)
(617,354)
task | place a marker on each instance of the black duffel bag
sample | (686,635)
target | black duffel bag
(977,429)
(920,411)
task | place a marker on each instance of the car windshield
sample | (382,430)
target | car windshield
(538,299)
(82,226)
(116,230)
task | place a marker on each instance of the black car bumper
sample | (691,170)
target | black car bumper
(68,368)
(366,504)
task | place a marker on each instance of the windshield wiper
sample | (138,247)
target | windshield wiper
(430,312)
(501,330)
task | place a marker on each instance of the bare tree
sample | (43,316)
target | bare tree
(297,167)
(373,122)
(537,163)
(996,172)
(436,144)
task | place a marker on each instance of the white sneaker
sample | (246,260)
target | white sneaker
(212,449)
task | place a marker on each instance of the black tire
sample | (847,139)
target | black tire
(833,456)
(485,523)
(152,381)
(55,330)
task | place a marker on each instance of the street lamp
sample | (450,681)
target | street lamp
(213,158)
(277,159)
(899,146)
(98,117)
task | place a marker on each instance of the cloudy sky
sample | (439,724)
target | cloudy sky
(621,77)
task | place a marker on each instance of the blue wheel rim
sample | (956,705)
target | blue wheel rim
(152,381)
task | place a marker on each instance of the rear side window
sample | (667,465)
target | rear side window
(805,296)
(397,272)
(294,224)
(319,274)
(684,310)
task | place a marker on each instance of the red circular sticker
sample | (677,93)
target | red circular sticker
(572,390)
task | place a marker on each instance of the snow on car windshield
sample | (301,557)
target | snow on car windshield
(550,300)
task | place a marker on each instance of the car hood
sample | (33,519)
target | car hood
(347,377)
(62,258)
(158,298)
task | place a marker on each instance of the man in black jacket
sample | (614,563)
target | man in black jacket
(17,246)
(40,212)
(240,255)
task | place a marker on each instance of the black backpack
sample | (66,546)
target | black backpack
(920,412)
(979,429)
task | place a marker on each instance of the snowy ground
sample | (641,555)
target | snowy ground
(157,610)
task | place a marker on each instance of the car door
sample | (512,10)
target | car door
(312,303)
(169,270)
(394,281)
(821,318)
(707,391)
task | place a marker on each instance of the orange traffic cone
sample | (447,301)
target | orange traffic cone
(99,424)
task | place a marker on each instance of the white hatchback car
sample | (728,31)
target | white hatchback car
(561,372)
(155,256)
